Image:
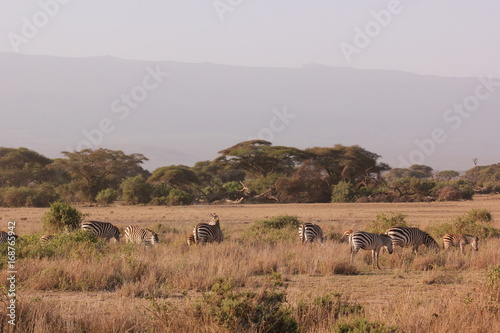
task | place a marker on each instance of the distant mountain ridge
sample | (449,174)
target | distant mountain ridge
(180,113)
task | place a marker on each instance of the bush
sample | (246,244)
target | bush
(345,268)
(62,217)
(482,215)
(38,196)
(344,192)
(135,190)
(232,186)
(277,222)
(178,197)
(453,191)
(384,222)
(75,244)
(107,196)
(474,222)
(493,281)
(247,311)
(362,325)
(273,230)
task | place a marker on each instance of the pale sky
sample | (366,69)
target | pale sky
(446,37)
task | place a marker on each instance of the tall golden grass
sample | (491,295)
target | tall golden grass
(100,287)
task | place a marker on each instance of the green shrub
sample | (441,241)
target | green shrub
(277,222)
(344,192)
(330,307)
(493,281)
(179,198)
(453,191)
(135,190)
(107,196)
(71,245)
(474,222)
(481,215)
(62,216)
(38,196)
(273,230)
(362,325)
(384,222)
(232,186)
(247,311)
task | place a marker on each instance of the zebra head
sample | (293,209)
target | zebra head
(475,243)
(215,219)
(346,234)
(154,238)
(387,241)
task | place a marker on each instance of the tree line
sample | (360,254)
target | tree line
(251,171)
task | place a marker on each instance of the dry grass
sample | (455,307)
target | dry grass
(131,288)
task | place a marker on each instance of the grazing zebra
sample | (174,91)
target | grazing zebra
(4,237)
(138,235)
(460,240)
(309,232)
(208,232)
(46,238)
(414,237)
(368,241)
(190,240)
(102,229)
(346,234)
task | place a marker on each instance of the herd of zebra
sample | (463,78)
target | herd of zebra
(106,230)
(308,233)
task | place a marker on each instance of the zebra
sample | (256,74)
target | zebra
(208,232)
(368,241)
(309,232)
(346,235)
(136,234)
(190,240)
(46,238)
(102,229)
(460,240)
(414,237)
(4,237)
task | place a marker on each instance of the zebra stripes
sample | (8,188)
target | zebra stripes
(368,241)
(414,237)
(102,229)
(138,235)
(208,232)
(460,240)
(5,238)
(309,232)
(46,238)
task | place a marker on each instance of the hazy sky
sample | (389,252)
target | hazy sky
(446,37)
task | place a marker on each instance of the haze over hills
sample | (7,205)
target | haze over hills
(50,104)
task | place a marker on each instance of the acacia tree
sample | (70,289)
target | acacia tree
(99,169)
(349,163)
(177,176)
(260,159)
(22,166)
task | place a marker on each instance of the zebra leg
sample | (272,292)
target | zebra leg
(353,254)
(375,257)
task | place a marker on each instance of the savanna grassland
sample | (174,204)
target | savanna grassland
(254,281)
